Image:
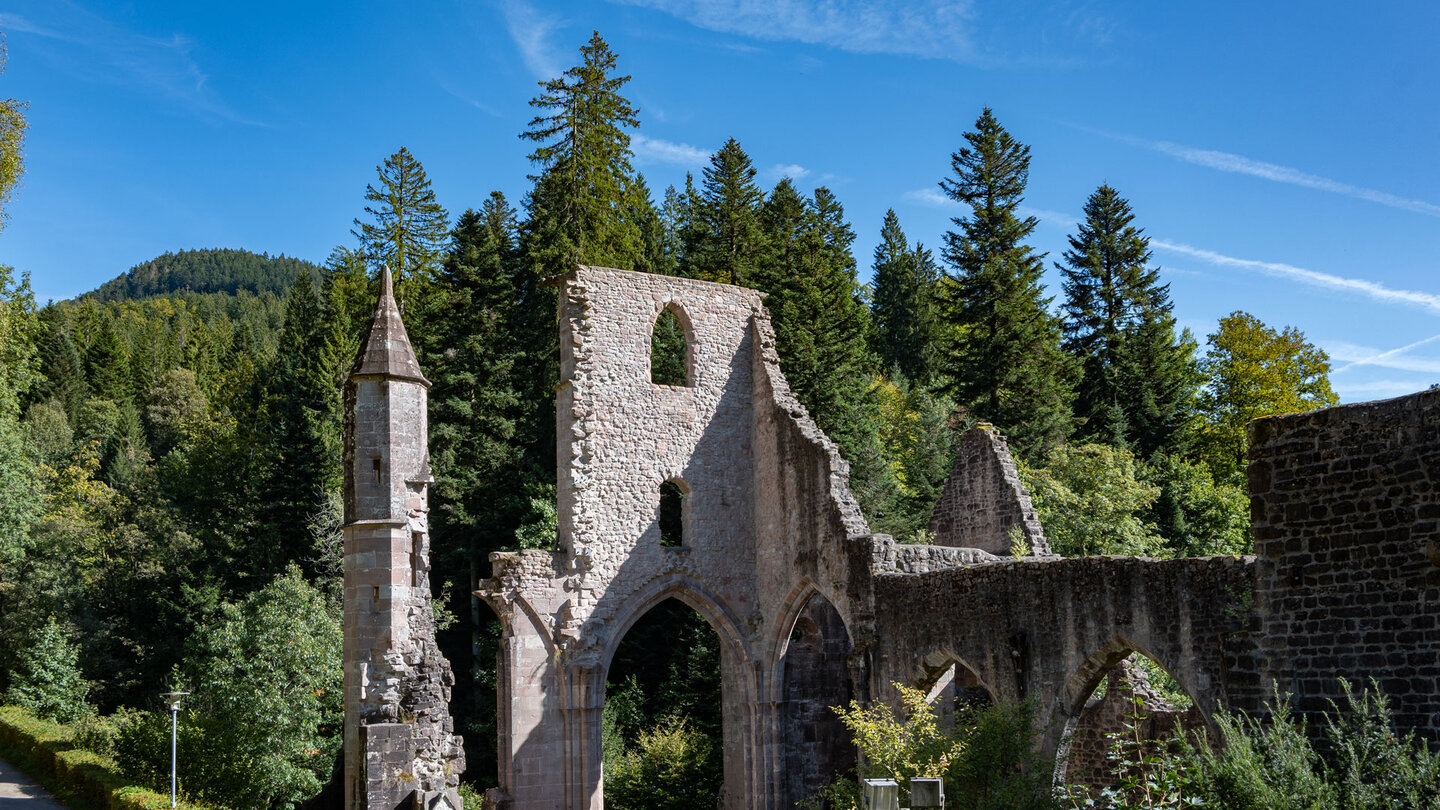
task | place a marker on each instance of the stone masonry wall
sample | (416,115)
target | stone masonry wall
(1049,630)
(984,502)
(1345,506)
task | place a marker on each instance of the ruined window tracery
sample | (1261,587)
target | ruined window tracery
(670,349)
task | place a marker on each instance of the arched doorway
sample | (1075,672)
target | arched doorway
(814,744)
(662,718)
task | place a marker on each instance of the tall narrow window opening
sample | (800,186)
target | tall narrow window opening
(668,361)
(672,514)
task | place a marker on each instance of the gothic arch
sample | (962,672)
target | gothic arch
(687,334)
(692,593)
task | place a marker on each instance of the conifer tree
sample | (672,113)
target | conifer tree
(727,243)
(902,304)
(658,252)
(581,209)
(1138,379)
(1004,363)
(107,362)
(408,226)
(64,373)
(304,458)
(474,401)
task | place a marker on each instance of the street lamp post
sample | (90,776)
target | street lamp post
(173,698)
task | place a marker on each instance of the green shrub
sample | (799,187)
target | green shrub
(988,761)
(84,780)
(672,767)
(262,726)
(48,680)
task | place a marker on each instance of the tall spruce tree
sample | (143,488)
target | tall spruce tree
(1004,363)
(407,228)
(822,332)
(726,244)
(902,304)
(474,406)
(582,207)
(1138,378)
(304,447)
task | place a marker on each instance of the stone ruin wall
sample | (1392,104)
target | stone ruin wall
(1131,707)
(984,504)
(1345,515)
(1345,506)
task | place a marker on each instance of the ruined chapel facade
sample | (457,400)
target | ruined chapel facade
(813,610)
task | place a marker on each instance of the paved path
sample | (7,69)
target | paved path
(18,792)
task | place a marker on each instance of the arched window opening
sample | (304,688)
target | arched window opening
(663,708)
(1133,713)
(672,513)
(669,361)
(816,675)
(956,689)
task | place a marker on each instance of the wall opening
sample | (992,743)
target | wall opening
(474,647)
(669,350)
(1133,706)
(816,746)
(954,688)
(663,707)
(673,508)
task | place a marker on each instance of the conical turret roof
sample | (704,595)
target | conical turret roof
(386,351)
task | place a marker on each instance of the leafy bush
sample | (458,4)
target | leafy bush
(263,724)
(988,761)
(48,682)
(1361,764)
(671,767)
(1091,501)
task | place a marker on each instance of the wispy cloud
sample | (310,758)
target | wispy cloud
(655,150)
(1359,286)
(95,49)
(941,29)
(1375,388)
(1353,355)
(1375,291)
(1360,356)
(1239,164)
(481,106)
(931,197)
(530,30)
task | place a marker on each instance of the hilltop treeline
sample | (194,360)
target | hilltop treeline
(205,271)
(170,444)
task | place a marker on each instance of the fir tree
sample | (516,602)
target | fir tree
(822,331)
(902,304)
(304,458)
(726,244)
(408,226)
(64,373)
(1004,363)
(582,207)
(1137,378)
(473,401)
(107,363)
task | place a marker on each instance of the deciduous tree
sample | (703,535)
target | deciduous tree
(1252,371)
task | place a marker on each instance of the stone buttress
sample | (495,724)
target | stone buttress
(400,749)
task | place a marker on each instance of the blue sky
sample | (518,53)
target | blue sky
(1282,156)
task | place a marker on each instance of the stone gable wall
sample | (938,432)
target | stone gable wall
(984,501)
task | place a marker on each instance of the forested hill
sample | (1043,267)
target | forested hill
(222,270)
